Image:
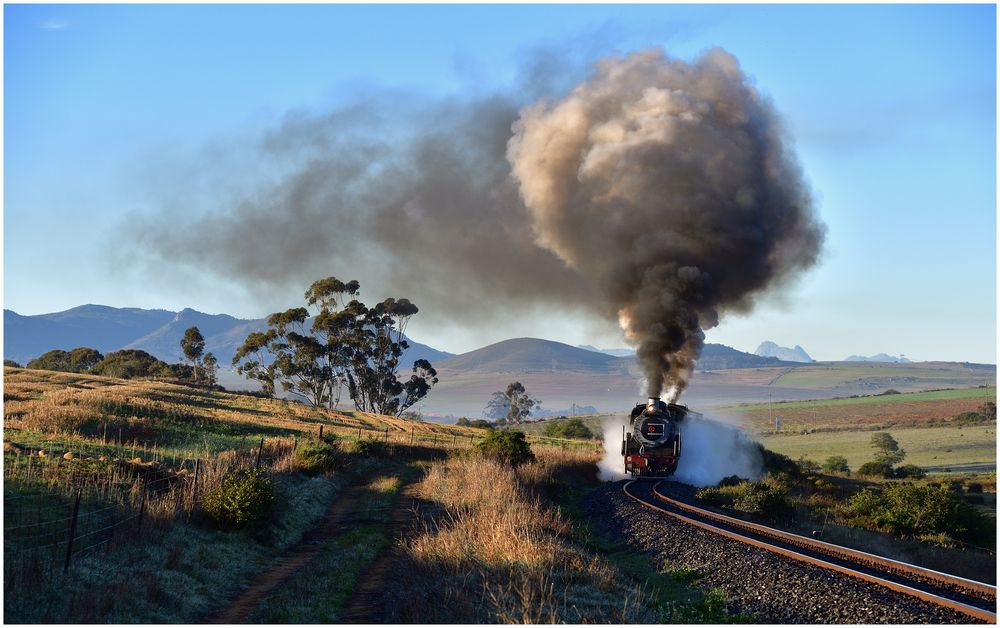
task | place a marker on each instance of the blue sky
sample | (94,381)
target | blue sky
(892,109)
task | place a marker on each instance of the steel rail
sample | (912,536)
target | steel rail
(966,609)
(964,585)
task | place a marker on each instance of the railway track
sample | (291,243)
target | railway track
(973,599)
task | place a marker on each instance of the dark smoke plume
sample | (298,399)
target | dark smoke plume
(670,186)
(656,193)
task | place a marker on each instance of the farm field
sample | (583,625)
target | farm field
(960,449)
(860,412)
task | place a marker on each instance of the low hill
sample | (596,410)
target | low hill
(528,355)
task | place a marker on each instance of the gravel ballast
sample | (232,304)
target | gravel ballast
(769,587)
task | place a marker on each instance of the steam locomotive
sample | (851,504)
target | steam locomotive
(652,447)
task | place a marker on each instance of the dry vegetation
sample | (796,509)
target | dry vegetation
(141,456)
(500,553)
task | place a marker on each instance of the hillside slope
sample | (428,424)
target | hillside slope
(526,355)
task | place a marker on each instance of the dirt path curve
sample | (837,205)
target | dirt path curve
(337,518)
(365,606)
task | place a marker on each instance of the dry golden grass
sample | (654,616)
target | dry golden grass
(64,403)
(495,530)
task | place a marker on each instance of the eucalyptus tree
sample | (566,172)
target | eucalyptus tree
(342,343)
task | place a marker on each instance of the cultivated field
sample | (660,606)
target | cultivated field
(867,412)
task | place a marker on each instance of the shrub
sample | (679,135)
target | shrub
(910,471)
(806,465)
(775,462)
(11,363)
(365,447)
(241,499)
(766,497)
(975,487)
(836,464)
(568,428)
(908,509)
(732,480)
(876,470)
(969,418)
(506,446)
(480,423)
(313,458)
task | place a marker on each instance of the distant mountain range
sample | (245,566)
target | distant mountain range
(157,332)
(533,355)
(878,357)
(770,349)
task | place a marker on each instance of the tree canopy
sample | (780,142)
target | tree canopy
(512,405)
(193,346)
(130,363)
(341,344)
(79,360)
(567,428)
(887,450)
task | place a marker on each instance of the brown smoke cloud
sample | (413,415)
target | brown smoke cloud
(670,186)
(656,192)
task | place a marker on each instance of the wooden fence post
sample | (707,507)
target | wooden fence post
(320,432)
(261,450)
(197,468)
(142,507)
(411,436)
(72,530)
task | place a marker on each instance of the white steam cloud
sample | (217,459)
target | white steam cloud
(711,451)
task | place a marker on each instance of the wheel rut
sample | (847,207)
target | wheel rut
(338,518)
(365,606)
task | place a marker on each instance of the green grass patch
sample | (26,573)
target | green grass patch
(986,394)
(939,447)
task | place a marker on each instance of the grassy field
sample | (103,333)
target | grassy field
(957,448)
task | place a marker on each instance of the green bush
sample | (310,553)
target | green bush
(910,510)
(506,446)
(775,462)
(836,464)
(241,499)
(313,458)
(732,480)
(567,428)
(876,470)
(910,471)
(366,447)
(766,497)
